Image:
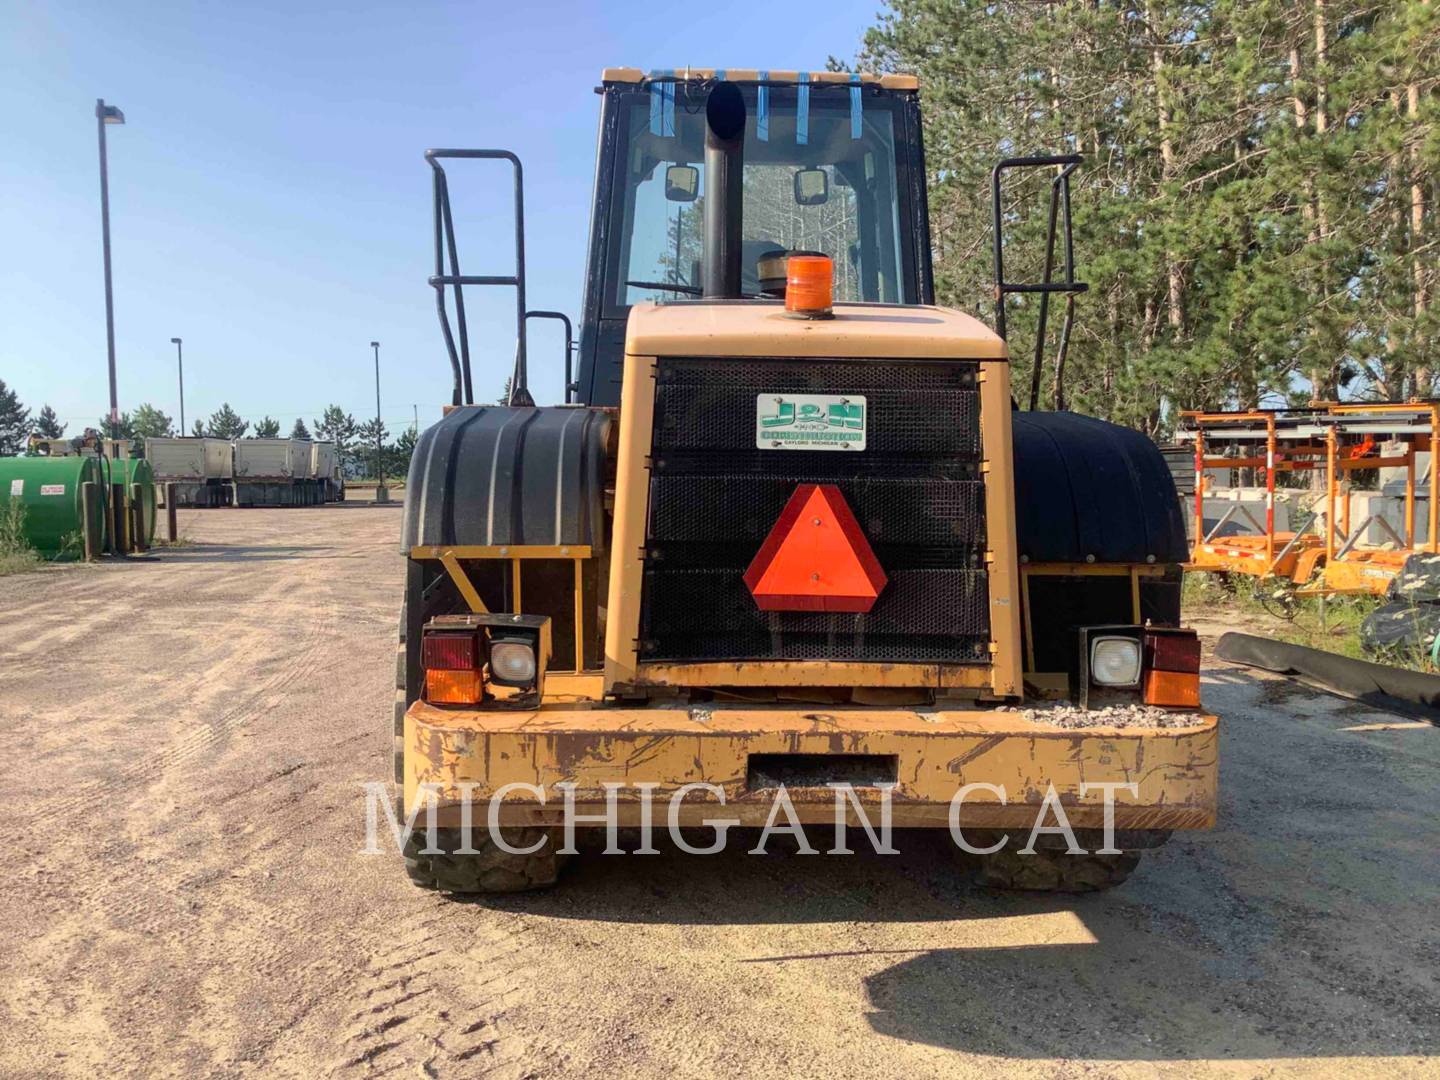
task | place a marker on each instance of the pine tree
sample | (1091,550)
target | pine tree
(125,429)
(225,423)
(398,455)
(299,431)
(14,422)
(151,423)
(370,444)
(47,425)
(266,428)
(337,426)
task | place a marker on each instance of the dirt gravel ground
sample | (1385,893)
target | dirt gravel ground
(182,889)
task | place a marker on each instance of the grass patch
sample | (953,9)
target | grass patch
(17,555)
(1256,606)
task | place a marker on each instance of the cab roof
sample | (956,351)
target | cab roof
(887,81)
(760,328)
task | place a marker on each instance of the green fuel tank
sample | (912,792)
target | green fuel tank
(49,490)
(132,471)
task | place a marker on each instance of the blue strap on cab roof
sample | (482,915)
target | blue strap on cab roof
(762,108)
(856,125)
(802,111)
(662,102)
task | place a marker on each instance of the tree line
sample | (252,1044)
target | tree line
(1256,211)
(355,441)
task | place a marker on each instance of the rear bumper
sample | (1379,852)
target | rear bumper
(933,754)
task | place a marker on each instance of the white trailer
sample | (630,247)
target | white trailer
(199,469)
(325,467)
(274,472)
(266,459)
(304,459)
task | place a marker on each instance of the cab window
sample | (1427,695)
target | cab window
(822,180)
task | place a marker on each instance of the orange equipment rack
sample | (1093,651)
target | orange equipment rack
(1264,553)
(1349,567)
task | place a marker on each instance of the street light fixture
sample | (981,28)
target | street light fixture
(180,362)
(104,115)
(381,494)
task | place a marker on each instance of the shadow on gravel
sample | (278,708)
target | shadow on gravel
(1172,966)
(1117,976)
(929,879)
(208,553)
(1122,998)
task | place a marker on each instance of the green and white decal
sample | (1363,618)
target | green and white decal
(809,422)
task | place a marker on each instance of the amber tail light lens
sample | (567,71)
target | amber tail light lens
(1173,689)
(454,687)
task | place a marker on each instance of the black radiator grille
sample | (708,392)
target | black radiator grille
(916,491)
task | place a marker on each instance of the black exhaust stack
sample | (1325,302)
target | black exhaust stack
(724,191)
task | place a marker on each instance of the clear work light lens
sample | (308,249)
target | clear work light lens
(1115,661)
(512,663)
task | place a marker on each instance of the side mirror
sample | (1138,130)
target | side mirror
(682,183)
(812,187)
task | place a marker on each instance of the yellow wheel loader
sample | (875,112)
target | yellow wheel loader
(787,552)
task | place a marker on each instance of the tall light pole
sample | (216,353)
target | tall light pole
(180,363)
(108,114)
(381,495)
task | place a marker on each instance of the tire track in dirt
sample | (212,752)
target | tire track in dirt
(268,695)
(210,856)
(424,1005)
(142,897)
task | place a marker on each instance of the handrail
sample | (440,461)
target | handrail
(1059,205)
(464,391)
(560,316)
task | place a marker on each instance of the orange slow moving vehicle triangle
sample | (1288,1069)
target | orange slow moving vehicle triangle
(816,558)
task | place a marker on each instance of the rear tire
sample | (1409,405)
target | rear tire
(491,870)
(402,702)
(397,753)
(1049,870)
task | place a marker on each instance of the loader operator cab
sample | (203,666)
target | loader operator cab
(832,168)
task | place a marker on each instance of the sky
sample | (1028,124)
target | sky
(269,202)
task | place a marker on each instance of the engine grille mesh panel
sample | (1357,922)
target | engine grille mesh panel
(915,490)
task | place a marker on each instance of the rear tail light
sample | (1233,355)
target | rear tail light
(452,663)
(450,652)
(1172,652)
(1172,669)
